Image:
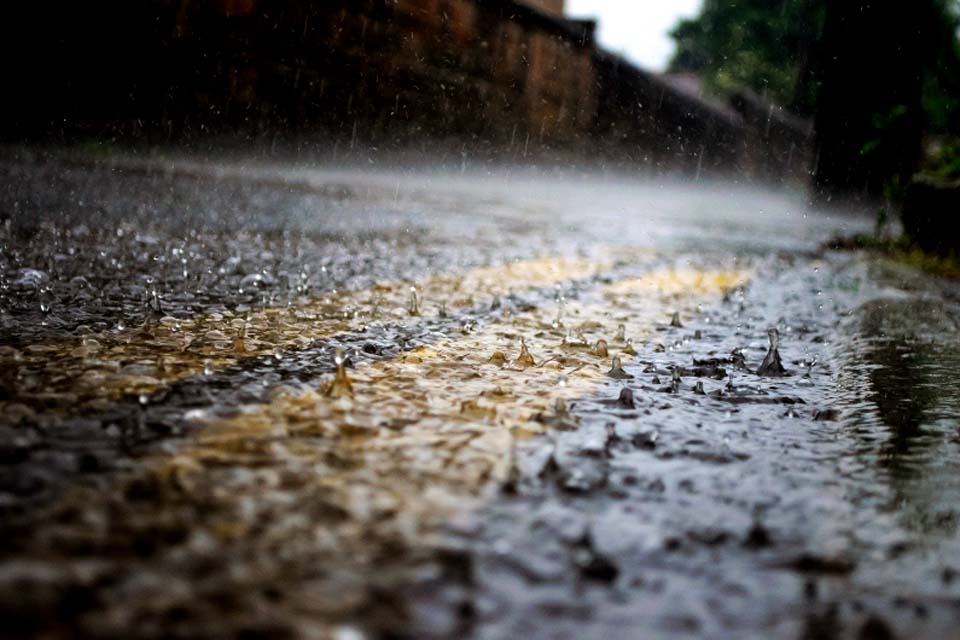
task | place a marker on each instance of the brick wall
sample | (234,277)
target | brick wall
(494,75)
(487,69)
(555,7)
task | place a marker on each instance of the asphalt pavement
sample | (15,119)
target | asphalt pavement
(244,397)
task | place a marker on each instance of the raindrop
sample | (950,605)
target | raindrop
(498,358)
(558,322)
(737,360)
(561,417)
(156,309)
(617,372)
(524,359)
(600,349)
(254,281)
(29,279)
(675,382)
(413,307)
(675,320)
(340,386)
(621,334)
(239,345)
(772,365)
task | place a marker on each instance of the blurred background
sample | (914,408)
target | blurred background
(851,98)
(210,210)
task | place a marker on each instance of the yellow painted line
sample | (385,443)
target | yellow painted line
(312,491)
(429,434)
(90,373)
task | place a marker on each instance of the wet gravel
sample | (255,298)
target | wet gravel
(688,497)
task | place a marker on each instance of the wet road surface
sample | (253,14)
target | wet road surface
(180,457)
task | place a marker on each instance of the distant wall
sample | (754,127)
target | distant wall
(643,118)
(786,142)
(498,75)
(393,69)
(555,7)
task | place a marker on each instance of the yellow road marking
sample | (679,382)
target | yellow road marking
(428,434)
(311,492)
(90,373)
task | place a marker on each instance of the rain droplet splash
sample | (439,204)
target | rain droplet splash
(413,308)
(498,358)
(621,334)
(772,365)
(558,322)
(340,386)
(600,349)
(617,372)
(524,359)
(239,345)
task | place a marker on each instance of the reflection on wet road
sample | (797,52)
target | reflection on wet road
(564,414)
(908,412)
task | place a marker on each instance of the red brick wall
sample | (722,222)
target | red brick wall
(550,6)
(483,73)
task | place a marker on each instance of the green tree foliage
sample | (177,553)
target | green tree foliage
(875,75)
(765,45)
(941,90)
(941,95)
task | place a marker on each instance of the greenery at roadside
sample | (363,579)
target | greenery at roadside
(777,49)
(943,158)
(764,46)
(902,250)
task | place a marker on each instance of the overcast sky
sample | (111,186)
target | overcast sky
(636,28)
